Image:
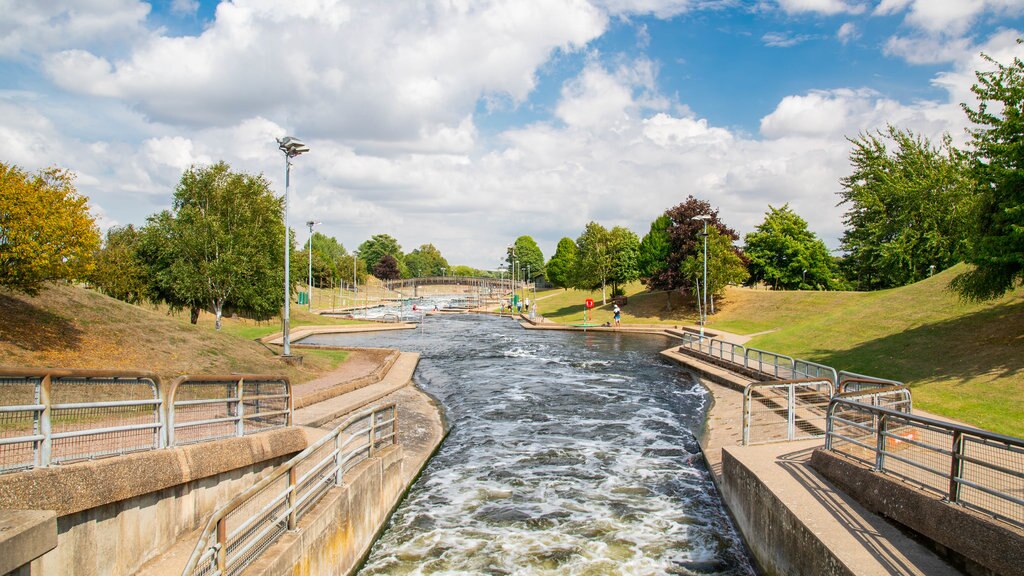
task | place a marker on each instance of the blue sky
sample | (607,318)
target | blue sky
(425,118)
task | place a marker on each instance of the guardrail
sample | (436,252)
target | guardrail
(785,410)
(54,416)
(204,408)
(58,416)
(877,393)
(974,468)
(240,531)
(770,363)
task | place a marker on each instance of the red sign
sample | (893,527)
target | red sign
(589,302)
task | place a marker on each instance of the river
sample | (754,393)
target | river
(572,453)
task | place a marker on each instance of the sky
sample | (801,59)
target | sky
(467,124)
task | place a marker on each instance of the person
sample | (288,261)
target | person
(502,307)
(618,314)
(413,307)
(527,303)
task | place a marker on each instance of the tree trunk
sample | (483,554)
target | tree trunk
(604,299)
(218,306)
(668,300)
(193,314)
(712,297)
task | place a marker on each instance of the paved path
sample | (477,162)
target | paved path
(864,542)
(323,412)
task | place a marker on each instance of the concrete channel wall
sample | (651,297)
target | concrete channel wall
(113,515)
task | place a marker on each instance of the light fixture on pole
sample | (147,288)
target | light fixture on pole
(309,280)
(291,147)
(704,307)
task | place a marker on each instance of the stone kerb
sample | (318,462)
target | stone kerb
(344,387)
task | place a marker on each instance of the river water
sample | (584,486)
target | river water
(571,453)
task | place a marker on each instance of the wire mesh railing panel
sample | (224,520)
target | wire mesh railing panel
(20,434)
(918,454)
(992,478)
(767,414)
(780,411)
(265,404)
(256,524)
(853,432)
(314,477)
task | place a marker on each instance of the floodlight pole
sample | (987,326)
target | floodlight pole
(309,280)
(291,147)
(704,308)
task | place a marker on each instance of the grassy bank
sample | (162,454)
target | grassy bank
(70,327)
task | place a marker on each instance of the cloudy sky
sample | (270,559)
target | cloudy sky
(467,124)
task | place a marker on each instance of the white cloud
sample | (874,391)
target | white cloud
(187,7)
(928,49)
(827,7)
(784,39)
(31,27)
(947,17)
(848,31)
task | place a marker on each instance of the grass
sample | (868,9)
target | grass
(69,327)
(567,306)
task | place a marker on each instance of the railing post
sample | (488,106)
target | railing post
(45,454)
(883,423)
(240,411)
(337,458)
(829,415)
(791,415)
(370,433)
(956,466)
(222,545)
(293,490)
(746,416)
(394,425)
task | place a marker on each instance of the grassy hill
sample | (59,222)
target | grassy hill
(70,327)
(964,360)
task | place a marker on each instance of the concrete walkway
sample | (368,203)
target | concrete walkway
(862,542)
(321,413)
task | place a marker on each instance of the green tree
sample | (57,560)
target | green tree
(625,250)
(425,261)
(996,246)
(562,265)
(653,252)
(221,243)
(783,253)
(46,230)
(346,265)
(372,250)
(527,254)
(594,260)
(327,254)
(908,208)
(118,272)
(725,266)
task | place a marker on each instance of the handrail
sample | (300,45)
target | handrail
(300,493)
(66,430)
(967,466)
(797,407)
(223,405)
(899,397)
(776,362)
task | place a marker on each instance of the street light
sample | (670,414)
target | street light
(309,281)
(704,307)
(291,147)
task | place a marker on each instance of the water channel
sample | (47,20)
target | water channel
(571,453)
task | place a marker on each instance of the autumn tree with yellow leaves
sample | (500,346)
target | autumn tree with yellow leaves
(46,230)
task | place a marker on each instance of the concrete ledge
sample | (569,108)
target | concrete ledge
(345,387)
(24,536)
(994,545)
(70,488)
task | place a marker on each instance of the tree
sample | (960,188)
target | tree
(425,261)
(593,259)
(653,251)
(685,240)
(346,264)
(387,268)
(562,265)
(996,245)
(118,272)
(725,266)
(46,230)
(372,250)
(785,254)
(327,254)
(221,244)
(907,208)
(625,250)
(528,255)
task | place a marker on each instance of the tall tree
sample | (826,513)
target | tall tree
(725,266)
(46,230)
(562,265)
(528,254)
(425,261)
(907,208)
(625,250)
(594,259)
(118,272)
(652,255)
(784,253)
(372,250)
(997,238)
(387,268)
(222,243)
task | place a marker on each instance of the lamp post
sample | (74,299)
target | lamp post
(309,279)
(291,147)
(704,307)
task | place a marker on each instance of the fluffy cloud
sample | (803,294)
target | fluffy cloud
(32,28)
(947,17)
(827,7)
(848,31)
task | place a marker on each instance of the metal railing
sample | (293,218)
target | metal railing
(877,393)
(808,369)
(770,363)
(54,416)
(967,466)
(204,408)
(785,410)
(240,531)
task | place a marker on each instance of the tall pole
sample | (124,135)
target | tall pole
(704,309)
(287,250)
(309,279)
